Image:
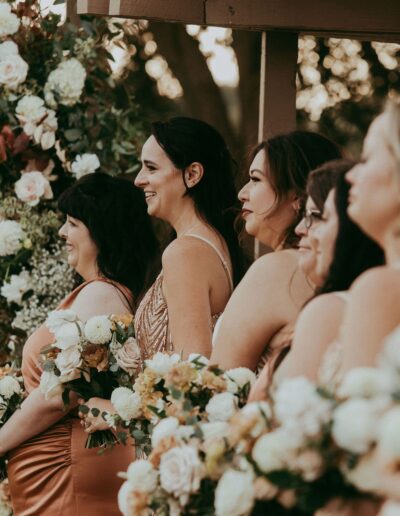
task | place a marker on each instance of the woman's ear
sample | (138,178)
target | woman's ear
(193,174)
(296,204)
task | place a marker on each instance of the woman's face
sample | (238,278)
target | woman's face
(325,235)
(81,249)
(161,182)
(307,245)
(258,199)
(374,198)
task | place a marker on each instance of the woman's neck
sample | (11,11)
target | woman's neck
(391,246)
(186,221)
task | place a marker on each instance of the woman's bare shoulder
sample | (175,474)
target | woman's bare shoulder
(374,285)
(99,297)
(274,265)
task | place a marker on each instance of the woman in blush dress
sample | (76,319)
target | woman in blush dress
(258,321)
(187,179)
(110,243)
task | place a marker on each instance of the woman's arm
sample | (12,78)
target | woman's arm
(268,297)
(316,328)
(372,314)
(35,415)
(186,287)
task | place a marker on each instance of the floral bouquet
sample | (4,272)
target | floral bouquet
(90,359)
(183,391)
(11,396)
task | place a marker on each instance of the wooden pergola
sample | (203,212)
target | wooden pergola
(281,21)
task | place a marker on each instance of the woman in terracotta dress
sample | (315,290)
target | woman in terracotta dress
(111,245)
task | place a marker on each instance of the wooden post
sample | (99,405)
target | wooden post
(277,112)
(72,14)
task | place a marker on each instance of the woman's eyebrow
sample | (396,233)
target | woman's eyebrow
(148,162)
(257,170)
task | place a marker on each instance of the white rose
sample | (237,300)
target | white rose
(16,287)
(389,436)
(126,403)
(273,451)
(200,359)
(50,385)
(129,357)
(390,508)
(85,164)
(165,428)
(8,48)
(13,71)
(180,472)
(57,318)
(124,495)
(98,329)
(9,386)
(161,363)
(31,187)
(30,111)
(68,362)
(365,382)
(67,81)
(237,378)
(67,336)
(214,430)
(221,407)
(11,237)
(234,495)
(142,476)
(300,408)
(261,412)
(354,425)
(9,22)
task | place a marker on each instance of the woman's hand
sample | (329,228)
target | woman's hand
(89,421)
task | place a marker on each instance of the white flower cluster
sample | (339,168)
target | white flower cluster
(85,164)
(8,387)
(65,84)
(9,22)
(16,287)
(126,403)
(13,69)
(33,186)
(161,363)
(38,121)
(11,237)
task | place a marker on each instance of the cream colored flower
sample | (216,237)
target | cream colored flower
(142,476)
(365,382)
(234,495)
(237,378)
(129,357)
(13,71)
(33,186)
(161,363)
(221,407)
(68,362)
(9,386)
(85,164)
(98,329)
(9,22)
(126,402)
(11,236)
(65,84)
(273,451)
(165,428)
(16,287)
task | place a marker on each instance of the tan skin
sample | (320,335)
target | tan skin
(98,298)
(272,292)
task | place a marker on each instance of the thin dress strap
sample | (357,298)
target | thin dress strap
(223,261)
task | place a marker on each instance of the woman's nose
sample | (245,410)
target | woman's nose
(62,232)
(242,195)
(141,179)
(301,229)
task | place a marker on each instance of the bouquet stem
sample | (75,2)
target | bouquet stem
(101,439)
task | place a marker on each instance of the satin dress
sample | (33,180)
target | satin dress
(52,474)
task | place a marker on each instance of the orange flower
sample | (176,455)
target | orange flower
(96,355)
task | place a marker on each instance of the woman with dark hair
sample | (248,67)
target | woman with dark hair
(187,179)
(344,252)
(111,245)
(258,320)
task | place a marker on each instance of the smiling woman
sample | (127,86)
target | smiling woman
(187,180)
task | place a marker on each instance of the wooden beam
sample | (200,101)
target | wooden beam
(72,12)
(184,11)
(373,16)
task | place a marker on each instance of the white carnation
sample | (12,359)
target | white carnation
(180,472)
(389,436)
(161,363)
(50,385)
(237,378)
(365,382)
(67,336)
(32,186)
(165,428)
(300,408)
(85,164)
(9,386)
(57,318)
(354,425)
(221,407)
(11,237)
(142,476)
(273,451)
(98,329)
(260,411)
(65,84)
(13,71)
(9,22)
(126,403)
(16,287)
(8,48)
(234,495)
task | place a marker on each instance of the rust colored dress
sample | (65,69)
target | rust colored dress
(53,474)
(151,319)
